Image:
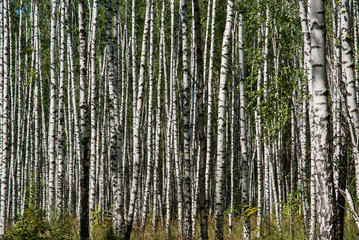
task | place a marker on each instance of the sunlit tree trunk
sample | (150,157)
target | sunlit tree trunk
(20,121)
(5,120)
(324,178)
(307,68)
(243,131)
(61,123)
(219,176)
(137,125)
(113,115)
(349,80)
(149,143)
(209,102)
(52,110)
(93,104)
(259,152)
(266,141)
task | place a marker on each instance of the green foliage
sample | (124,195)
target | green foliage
(101,226)
(34,223)
(62,226)
(292,203)
(29,226)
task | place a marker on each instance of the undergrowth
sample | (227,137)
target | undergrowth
(34,225)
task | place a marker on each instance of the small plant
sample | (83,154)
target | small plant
(101,226)
(28,226)
(34,225)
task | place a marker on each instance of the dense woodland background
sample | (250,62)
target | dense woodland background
(168,119)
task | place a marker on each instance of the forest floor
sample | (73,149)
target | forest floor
(271,233)
(66,227)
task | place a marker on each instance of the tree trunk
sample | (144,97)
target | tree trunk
(201,124)
(93,105)
(137,126)
(84,136)
(243,132)
(323,166)
(52,110)
(219,177)
(5,121)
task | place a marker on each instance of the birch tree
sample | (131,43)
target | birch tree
(222,123)
(243,130)
(201,123)
(323,178)
(52,110)
(137,125)
(5,111)
(92,193)
(84,135)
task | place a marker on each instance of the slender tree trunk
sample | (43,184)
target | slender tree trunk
(186,125)
(266,141)
(114,118)
(324,178)
(52,111)
(349,79)
(209,104)
(149,129)
(94,137)
(221,125)
(292,164)
(84,136)
(5,121)
(61,124)
(137,125)
(201,124)
(259,151)
(243,131)
(20,121)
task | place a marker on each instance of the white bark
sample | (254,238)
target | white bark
(323,178)
(186,124)
(349,79)
(209,101)
(52,110)
(149,143)
(61,123)
(5,121)
(137,125)
(243,130)
(266,142)
(219,176)
(93,104)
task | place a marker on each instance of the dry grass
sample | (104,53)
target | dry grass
(66,227)
(271,233)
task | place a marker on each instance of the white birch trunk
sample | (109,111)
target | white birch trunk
(209,102)
(149,143)
(186,124)
(137,125)
(243,131)
(5,121)
(323,178)
(93,104)
(219,176)
(52,110)
(61,123)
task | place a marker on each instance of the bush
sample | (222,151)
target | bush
(29,226)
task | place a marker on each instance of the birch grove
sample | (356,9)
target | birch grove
(180,119)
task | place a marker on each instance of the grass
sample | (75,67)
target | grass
(67,227)
(270,233)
